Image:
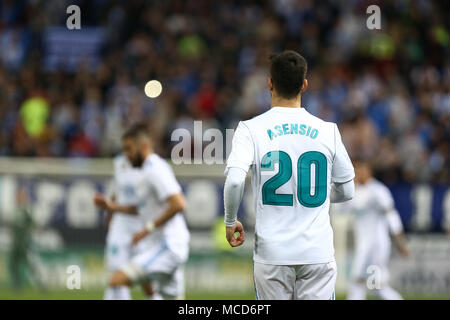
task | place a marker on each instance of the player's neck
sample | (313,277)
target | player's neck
(147,153)
(286,103)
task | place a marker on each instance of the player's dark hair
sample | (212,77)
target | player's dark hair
(288,71)
(136,130)
(363,161)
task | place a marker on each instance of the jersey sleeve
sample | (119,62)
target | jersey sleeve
(242,149)
(111,191)
(387,205)
(163,182)
(342,165)
(116,165)
(113,186)
(384,199)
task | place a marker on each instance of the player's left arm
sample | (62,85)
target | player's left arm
(163,182)
(396,229)
(393,219)
(342,173)
(341,192)
(176,203)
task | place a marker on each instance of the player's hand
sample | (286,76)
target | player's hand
(108,219)
(138,236)
(101,202)
(404,252)
(232,240)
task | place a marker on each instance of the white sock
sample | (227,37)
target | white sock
(117,293)
(108,294)
(356,291)
(155,296)
(388,293)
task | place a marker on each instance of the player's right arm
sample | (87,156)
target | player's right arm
(232,193)
(342,173)
(111,206)
(109,213)
(238,163)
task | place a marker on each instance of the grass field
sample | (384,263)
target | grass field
(33,294)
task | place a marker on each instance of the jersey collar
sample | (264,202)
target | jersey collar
(148,160)
(288,110)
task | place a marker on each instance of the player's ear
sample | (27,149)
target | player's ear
(270,83)
(304,86)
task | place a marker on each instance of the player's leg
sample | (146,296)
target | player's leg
(118,287)
(315,281)
(157,265)
(147,287)
(357,290)
(274,282)
(180,283)
(172,286)
(388,293)
(150,292)
(116,254)
(358,275)
(120,278)
(117,292)
(385,292)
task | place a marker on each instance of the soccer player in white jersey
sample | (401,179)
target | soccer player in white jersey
(122,226)
(297,163)
(160,207)
(375,219)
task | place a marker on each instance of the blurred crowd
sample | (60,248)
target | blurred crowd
(388,89)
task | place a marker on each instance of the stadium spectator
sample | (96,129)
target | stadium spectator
(388,89)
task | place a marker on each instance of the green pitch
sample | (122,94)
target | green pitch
(33,294)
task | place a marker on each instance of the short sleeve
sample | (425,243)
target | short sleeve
(342,165)
(242,149)
(163,182)
(112,190)
(384,199)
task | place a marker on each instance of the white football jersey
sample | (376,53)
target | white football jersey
(126,183)
(158,185)
(370,204)
(294,156)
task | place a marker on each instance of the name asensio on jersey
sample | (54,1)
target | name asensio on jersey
(293,128)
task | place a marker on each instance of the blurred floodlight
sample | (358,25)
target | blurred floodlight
(153,89)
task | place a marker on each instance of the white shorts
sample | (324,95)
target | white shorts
(368,259)
(298,282)
(119,250)
(162,267)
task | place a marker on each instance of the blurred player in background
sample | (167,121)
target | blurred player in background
(22,264)
(122,226)
(160,206)
(375,219)
(298,163)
